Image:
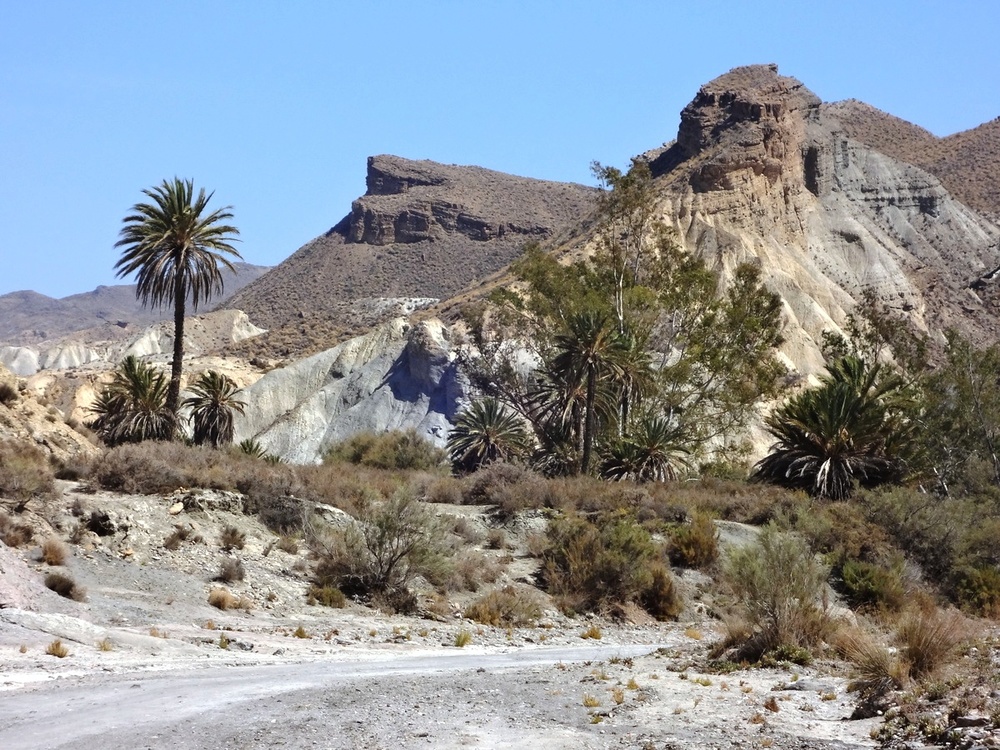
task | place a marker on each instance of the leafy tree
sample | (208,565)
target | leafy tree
(484,433)
(132,408)
(857,426)
(213,406)
(175,247)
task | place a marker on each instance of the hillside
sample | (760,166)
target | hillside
(967,163)
(28,317)
(423,230)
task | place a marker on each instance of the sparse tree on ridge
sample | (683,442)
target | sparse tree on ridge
(175,247)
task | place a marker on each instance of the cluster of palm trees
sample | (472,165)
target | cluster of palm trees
(175,246)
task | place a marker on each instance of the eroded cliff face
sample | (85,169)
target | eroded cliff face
(759,173)
(395,377)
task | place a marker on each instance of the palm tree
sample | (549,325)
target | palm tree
(212,408)
(132,408)
(587,352)
(484,433)
(654,452)
(854,427)
(175,249)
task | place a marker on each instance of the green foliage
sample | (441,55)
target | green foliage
(655,451)
(376,559)
(588,566)
(175,248)
(133,407)
(213,406)
(484,433)
(694,544)
(398,450)
(778,583)
(25,472)
(872,586)
(857,426)
(978,590)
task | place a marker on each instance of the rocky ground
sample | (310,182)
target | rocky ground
(152,664)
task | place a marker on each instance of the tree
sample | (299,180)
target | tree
(858,425)
(654,452)
(132,408)
(175,247)
(213,406)
(484,433)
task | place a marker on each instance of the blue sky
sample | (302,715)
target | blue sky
(276,106)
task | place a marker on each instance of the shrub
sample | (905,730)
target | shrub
(288,544)
(231,538)
(65,587)
(510,488)
(57,649)
(695,544)
(463,638)
(328,596)
(506,607)
(929,639)
(978,590)
(399,450)
(13,533)
(877,671)
(871,586)
(778,582)
(220,598)
(392,542)
(25,473)
(8,394)
(176,537)
(660,597)
(588,566)
(147,468)
(54,551)
(231,570)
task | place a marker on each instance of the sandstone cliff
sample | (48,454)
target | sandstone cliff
(759,172)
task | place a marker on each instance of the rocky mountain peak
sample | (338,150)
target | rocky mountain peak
(391,175)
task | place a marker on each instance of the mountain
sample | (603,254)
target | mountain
(761,172)
(422,229)
(967,163)
(30,318)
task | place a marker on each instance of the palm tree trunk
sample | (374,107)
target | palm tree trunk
(588,429)
(176,367)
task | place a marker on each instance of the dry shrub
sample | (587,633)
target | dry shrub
(398,450)
(929,639)
(231,538)
(778,583)
(14,533)
(497,539)
(143,468)
(660,597)
(8,394)
(328,596)
(288,544)
(509,488)
(695,544)
(179,535)
(471,569)
(231,570)
(54,551)
(978,590)
(588,566)
(25,472)
(65,586)
(466,530)
(443,490)
(463,638)
(506,607)
(57,649)
(221,598)
(877,671)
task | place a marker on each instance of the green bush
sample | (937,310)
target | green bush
(588,566)
(777,582)
(871,586)
(978,590)
(695,544)
(398,450)
(25,472)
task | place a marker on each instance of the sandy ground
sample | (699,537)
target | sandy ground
(359,679)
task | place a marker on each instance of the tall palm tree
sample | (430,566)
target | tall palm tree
(484,433)
(587,352)
(132,408)
(212,408)
(175,247)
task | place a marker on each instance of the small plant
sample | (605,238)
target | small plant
(463,638)
(508,607)
(65,587)
(155,632)
(591,701)
(695,544)
(54,551)
(105,644)
(496,539)
(328,596)
(8,394)
(210,625)
(693,634)
(231,538)
(288,543)
(928,640)
(57,649)
(23,648)
(632,684)
(596,719)
(220,598)
(618,695)
(224,642)
(176,537)
(593,632)
(231,570)
(771,704)
(13,533)
(300,632)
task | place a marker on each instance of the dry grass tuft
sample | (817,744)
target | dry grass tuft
(176,537)
(506,607)
(463,638)
(231,570)
(593,632)
(231,538)
(105,644)
(54,551)
(300,632)
(591,701)
(930,639)
(220,598)
(65,587)
(57,649)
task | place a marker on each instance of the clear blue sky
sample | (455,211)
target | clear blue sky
(276,105)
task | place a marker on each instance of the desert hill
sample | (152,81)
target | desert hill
(28,318)
(422,230)
(967,163)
